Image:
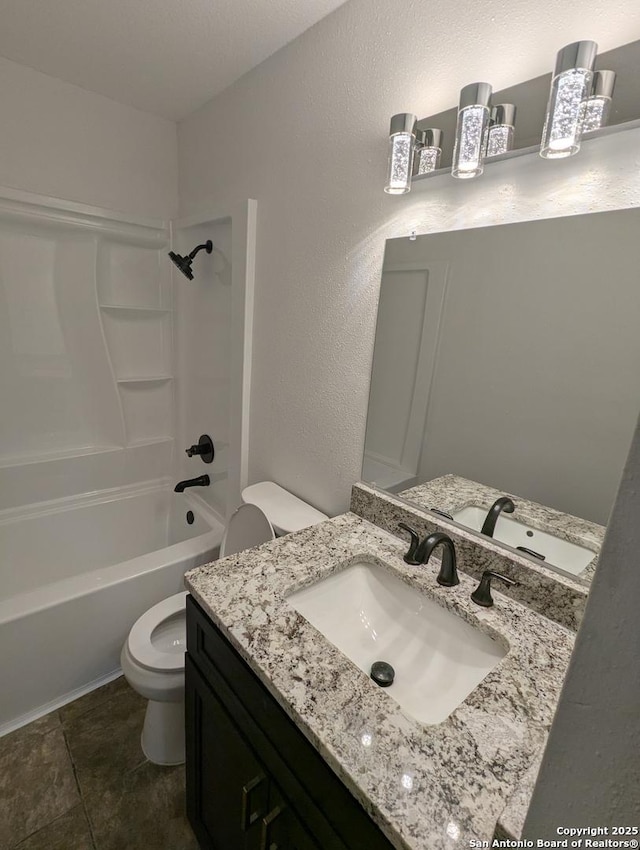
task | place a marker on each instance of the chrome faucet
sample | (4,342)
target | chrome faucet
(200,481)
(505,504)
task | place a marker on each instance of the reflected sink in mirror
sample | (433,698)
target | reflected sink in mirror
(558,553)
(370,615)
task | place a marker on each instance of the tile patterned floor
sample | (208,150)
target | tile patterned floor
(78,780)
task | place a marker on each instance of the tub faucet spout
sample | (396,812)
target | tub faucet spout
(200,481)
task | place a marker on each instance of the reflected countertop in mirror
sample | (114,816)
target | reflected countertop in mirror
(531,526)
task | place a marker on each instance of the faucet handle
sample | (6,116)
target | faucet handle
(482,594)
(410,554)
(204,448)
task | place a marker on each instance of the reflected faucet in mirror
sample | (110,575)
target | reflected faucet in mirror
(504,503)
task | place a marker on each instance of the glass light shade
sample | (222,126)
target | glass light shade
(501,129)
(428,150)
(427,160)
(500,139)
(570,87)
(400,164)
(595,110)
(473,121)
(595,113)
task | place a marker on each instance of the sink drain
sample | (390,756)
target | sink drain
(382,673)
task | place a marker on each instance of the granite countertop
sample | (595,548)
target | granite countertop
(425,786)
(451,493)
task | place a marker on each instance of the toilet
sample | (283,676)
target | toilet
(152,657)
(286,512)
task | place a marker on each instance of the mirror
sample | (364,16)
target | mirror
(508,359)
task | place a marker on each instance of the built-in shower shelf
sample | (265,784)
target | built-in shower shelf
(148,379)
(149,441)
(123,308)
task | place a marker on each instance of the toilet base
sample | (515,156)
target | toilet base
(163,733)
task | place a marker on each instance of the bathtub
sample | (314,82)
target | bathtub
(75,574)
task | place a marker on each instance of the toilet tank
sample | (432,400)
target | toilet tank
(285,512)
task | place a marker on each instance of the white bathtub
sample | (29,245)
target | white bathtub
(74,576)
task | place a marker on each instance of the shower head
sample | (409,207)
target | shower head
(184,263)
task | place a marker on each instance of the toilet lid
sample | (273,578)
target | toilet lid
(247,527)
(286,512)
(158,639)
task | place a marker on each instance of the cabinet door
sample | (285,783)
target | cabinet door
(320,812)
(227,786)
(281,828)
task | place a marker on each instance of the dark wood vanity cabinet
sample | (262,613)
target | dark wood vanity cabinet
(254,782)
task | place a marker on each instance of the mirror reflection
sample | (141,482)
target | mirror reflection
(506,364)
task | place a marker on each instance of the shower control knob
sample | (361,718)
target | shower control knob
(204,448)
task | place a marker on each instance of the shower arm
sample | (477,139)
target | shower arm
(206,246)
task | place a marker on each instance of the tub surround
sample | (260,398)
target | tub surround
(451,493)
(88,378)
(554,595)
(446,782)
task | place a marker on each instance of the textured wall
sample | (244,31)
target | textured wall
(304,134)
(589,773)
(62,141)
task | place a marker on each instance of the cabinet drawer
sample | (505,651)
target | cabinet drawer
(321,801)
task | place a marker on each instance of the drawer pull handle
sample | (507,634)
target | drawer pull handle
(268,842)
(250,813)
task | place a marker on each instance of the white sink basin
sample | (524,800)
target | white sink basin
(558,553)
(371,615)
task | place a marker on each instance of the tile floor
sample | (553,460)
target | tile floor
(78,780)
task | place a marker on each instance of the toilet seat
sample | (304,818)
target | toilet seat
(247,527)
(140,645)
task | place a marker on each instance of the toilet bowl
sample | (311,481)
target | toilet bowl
(152,660)
(152,657)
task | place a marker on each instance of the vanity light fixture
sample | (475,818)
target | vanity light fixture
(473,121)
(595,110)
(579,103)
(401,147)
(428,150)
(570,87)
(501,129)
